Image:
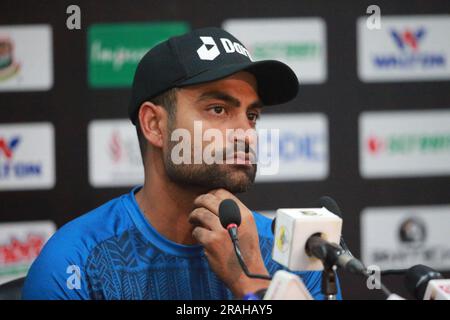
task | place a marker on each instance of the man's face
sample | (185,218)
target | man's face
(225,105)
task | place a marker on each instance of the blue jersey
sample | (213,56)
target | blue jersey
(113,252)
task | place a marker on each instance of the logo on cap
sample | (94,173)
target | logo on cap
(209,50)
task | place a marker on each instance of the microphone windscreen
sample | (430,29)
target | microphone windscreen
(330,205)
(229,213)
(417,278)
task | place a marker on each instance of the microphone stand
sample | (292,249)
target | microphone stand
(329,286)
(319,248)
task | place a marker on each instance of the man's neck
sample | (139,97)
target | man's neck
(166,205)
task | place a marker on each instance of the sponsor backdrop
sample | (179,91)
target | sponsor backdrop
(370,127)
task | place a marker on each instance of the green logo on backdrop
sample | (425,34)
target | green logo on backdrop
(294,51)
(114,50)
(431,143)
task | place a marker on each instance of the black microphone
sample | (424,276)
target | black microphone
(230,219)
(417,278)
(332,254)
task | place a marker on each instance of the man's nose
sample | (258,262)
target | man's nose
(243,131)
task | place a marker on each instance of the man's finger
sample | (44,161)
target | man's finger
(202,235)
(222,193)
(204,218)
(208,201)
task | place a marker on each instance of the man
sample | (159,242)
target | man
(164,240)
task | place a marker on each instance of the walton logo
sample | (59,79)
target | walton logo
(16,168)
(408,38)
(411,55)
(209,50)
(7,148)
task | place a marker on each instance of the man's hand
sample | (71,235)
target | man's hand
(218,245)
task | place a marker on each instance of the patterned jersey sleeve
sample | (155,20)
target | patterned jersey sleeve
(58,272)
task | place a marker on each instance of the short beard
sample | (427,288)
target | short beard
(212,176)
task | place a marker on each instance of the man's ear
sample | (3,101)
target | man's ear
(153,120)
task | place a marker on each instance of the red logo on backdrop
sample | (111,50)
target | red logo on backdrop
(115,147)
(17,251)
(445,288)
(375,144)
(7,148)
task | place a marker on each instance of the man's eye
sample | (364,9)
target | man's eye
(253,116)
(218,110)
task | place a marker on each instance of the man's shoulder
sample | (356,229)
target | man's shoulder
(265,234)
(69,248)
(107,220)
(263,224)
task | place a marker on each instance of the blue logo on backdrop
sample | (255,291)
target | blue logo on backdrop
(11,168)
(410,52)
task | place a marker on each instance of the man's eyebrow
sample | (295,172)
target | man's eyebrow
(219,95)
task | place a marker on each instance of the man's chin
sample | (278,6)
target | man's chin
(239,177)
